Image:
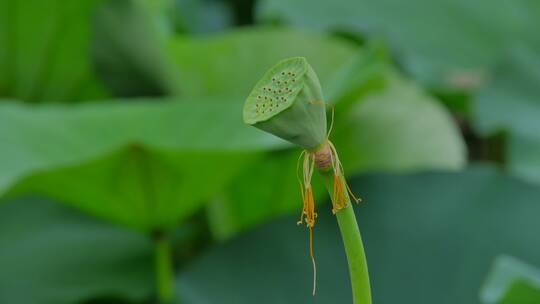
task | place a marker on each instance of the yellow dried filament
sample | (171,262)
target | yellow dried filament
(339,198)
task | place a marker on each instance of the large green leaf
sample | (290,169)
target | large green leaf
(52,255)
(511,103)
(44,50)
(448,43)
(398,128)
(229,64)
(429,238)
(511,282)
(128,49)
(53,51)
(145,164)
(139,186)
(365,72)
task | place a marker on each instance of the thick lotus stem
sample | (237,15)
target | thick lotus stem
(350,233)
(164,268)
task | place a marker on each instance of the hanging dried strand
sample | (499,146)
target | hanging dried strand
(308,214)
(331,122)
(339,199)
(301,183)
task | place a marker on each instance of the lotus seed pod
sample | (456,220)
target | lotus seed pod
(288,103)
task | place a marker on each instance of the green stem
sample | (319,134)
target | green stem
(352,240)
(164,269)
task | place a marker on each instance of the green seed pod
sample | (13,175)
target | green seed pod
(288,103)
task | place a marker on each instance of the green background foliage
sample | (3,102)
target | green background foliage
(415,228)
(121,123)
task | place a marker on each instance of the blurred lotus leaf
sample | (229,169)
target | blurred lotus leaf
(53,255)
(510,103)
(229,64)
(511,282)
(446,43)
(429,238)
(128,51)
(102,158)
(44,48)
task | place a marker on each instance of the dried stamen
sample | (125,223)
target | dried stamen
(308,214)
(325,157)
